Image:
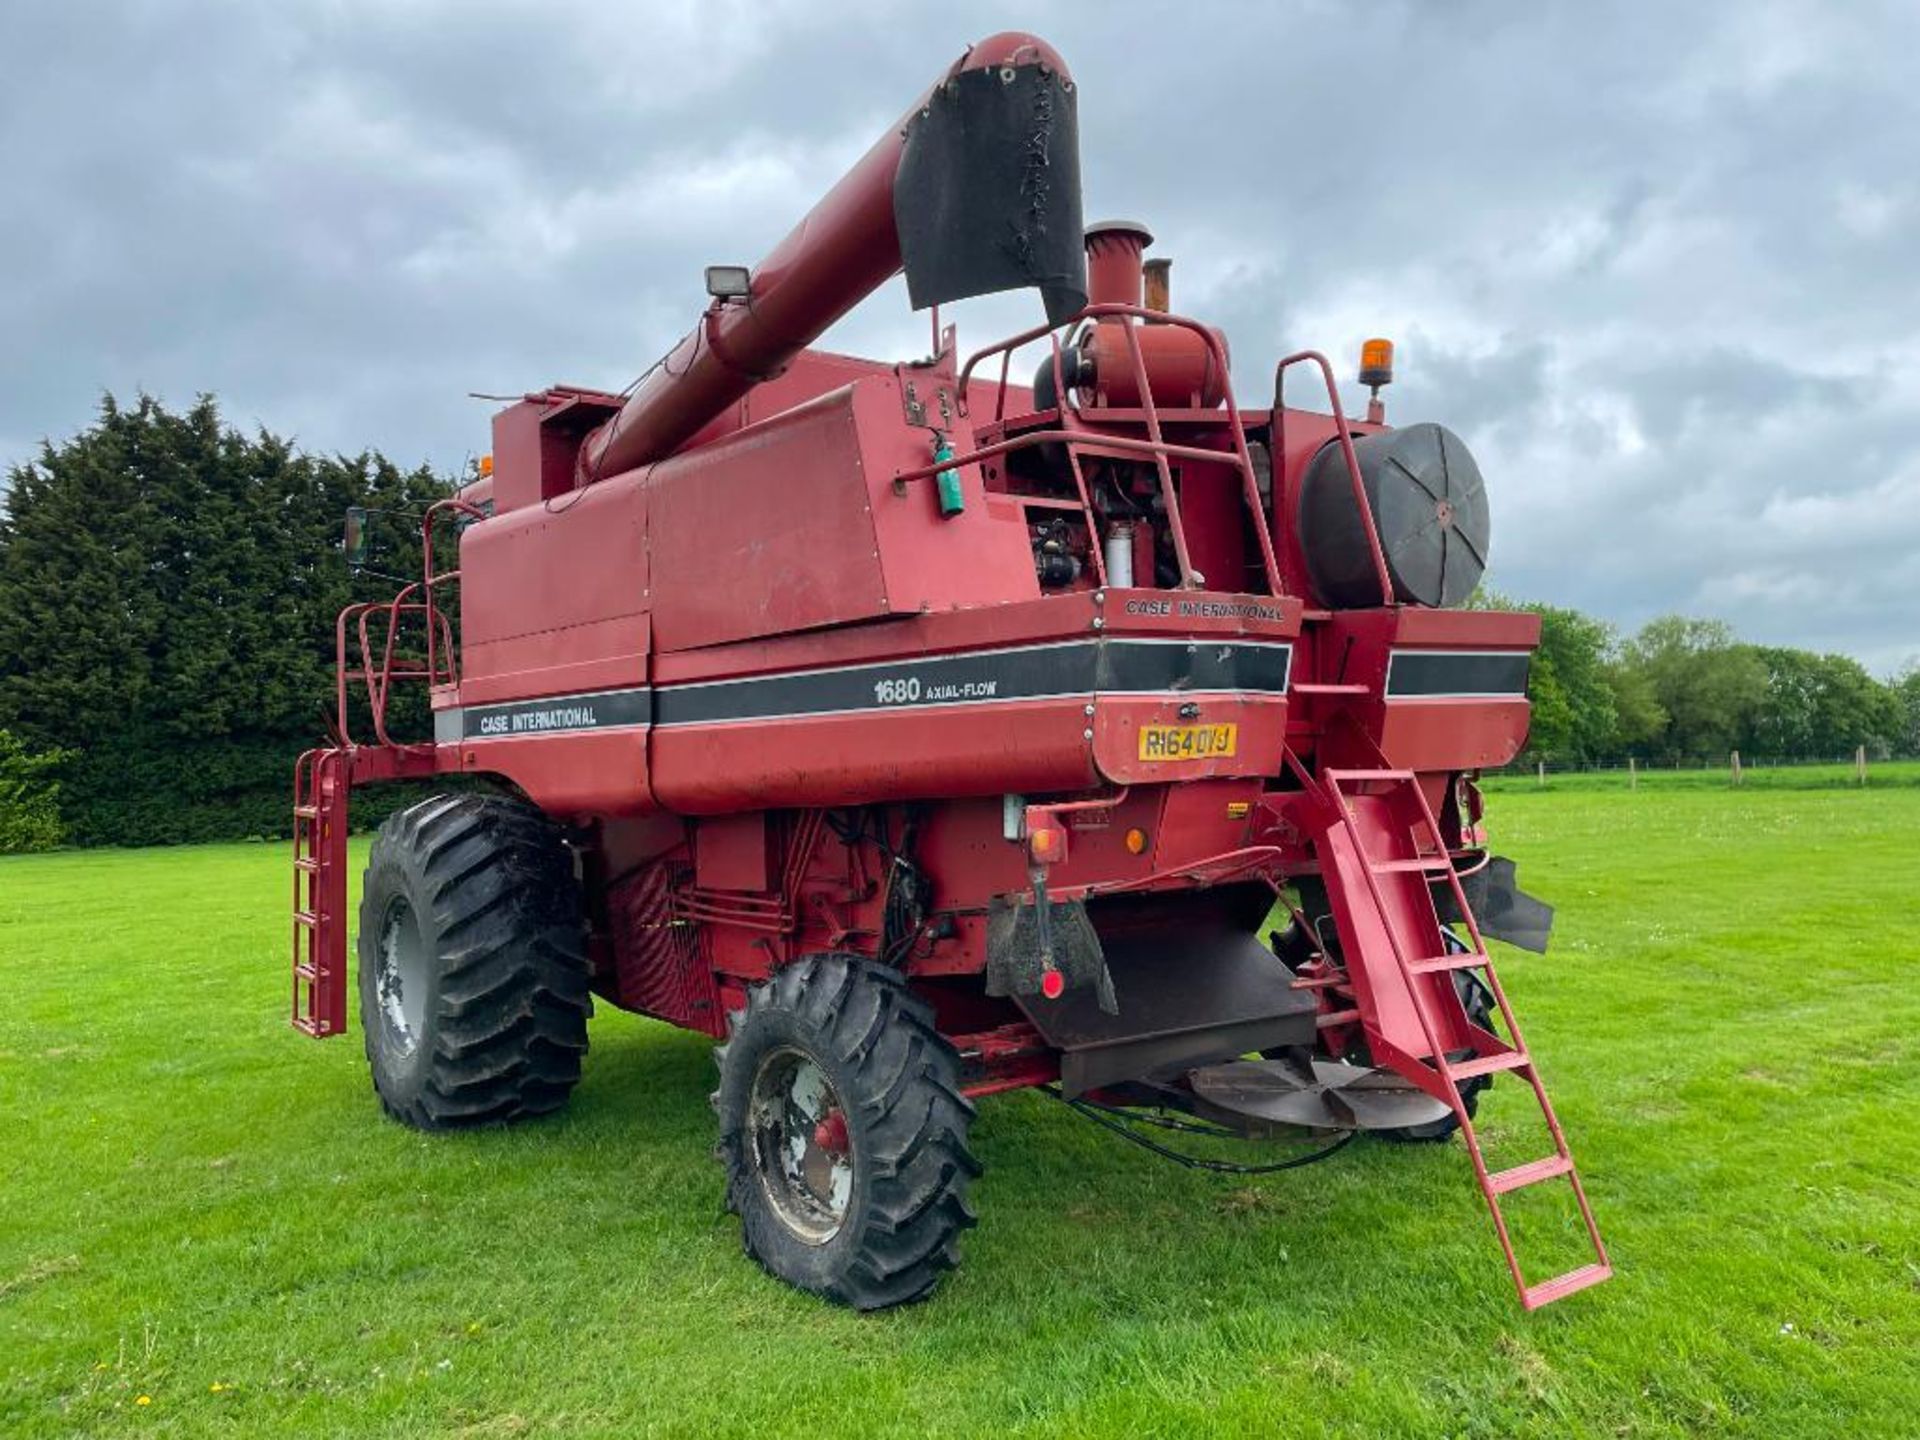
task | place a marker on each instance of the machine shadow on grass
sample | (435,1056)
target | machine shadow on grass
(1056,1190)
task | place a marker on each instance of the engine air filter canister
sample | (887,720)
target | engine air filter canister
(1429,505)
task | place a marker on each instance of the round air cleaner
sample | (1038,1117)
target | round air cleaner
(1429,505)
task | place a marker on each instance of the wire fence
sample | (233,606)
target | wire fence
(1734,772)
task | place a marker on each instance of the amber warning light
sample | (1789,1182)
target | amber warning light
(1376,363)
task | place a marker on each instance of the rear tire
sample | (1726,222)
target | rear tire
(473,964)
(1477,1000)
(844,1133)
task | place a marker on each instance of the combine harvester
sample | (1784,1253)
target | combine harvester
(919,735)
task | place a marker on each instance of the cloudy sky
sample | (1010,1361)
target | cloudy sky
(1660,264)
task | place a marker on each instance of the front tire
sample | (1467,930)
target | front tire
(473,964)
(843,1131)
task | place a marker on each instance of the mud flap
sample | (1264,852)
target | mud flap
(1501,909)
(1014,961)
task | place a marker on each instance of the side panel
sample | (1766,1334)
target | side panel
(811,374)
(1157,693)
(793,525)
(707,769)
(579,779)
(581,754)
(556,640)
(765,531)
(553,598)
(1447,688)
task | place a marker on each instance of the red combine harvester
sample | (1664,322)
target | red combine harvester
(919,735)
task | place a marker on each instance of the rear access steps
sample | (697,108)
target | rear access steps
(320,893)
(1381,852)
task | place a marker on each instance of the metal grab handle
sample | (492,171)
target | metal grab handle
(1314,357)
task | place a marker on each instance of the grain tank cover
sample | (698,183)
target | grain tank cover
(1429,504)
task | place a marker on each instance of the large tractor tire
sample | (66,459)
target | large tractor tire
(844,1133)
(473,964)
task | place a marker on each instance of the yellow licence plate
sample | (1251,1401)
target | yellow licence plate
(1187,742)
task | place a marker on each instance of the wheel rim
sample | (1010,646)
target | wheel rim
(800,1145)
(400,974)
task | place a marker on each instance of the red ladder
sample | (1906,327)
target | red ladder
(320,893)
(1411,856)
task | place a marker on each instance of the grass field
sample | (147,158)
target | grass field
(209,1228)
(1881,775)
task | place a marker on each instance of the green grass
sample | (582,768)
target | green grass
(194,1196)
(1881,775)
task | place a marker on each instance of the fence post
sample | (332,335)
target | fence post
(1540,772)
(1860,766)
(1633,774)
(1736,769)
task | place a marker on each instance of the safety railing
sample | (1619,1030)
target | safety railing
(1076,431)
(358,626)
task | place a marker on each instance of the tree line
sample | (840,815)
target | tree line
(1690,690)
(168,589)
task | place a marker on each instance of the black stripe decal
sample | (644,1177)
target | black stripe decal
(1194,665)
(556,714)
(1071,669)
(1444,674)
(1027,674)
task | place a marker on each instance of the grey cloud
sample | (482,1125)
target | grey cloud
(1657,271)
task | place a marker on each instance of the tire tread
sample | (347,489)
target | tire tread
(914,1118)
(509,1027)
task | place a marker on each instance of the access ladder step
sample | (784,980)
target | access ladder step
(1489,1064)
(1548,1291)
(1456,960)
(1385,814)
(1430,864)
(306,812)
(307,863)
(306,918)
(1341,778)
(1532,1173)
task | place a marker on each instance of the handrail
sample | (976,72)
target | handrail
(1128,443)
(429,579)
(378,691)
(348,614)
(441,664)
(1341,427)
(1077,428)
